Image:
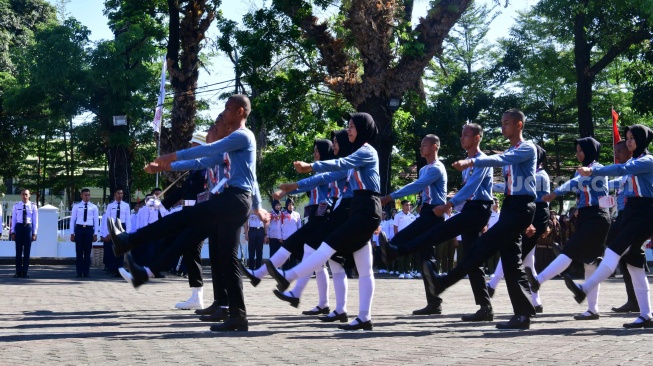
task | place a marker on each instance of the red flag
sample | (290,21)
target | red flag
(615,130)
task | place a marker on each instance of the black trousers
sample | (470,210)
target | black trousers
(540,221)
(23,247)
(275,244)
(469,224)
(222,216)
(255,246)
(426,220)
(83,247)
(505,236)
(295,242)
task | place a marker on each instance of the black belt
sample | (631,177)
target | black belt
(83,226)
(26,225)
(255,228)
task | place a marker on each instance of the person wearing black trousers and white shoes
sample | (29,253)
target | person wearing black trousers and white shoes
(475,198)
(516,215)
(635,226)
(365,216)
(588,242)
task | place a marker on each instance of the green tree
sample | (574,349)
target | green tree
(601,32)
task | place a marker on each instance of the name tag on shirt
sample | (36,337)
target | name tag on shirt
(607,201)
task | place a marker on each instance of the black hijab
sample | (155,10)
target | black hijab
(590,148)
(274,204)
(344,146)
(288,202)
(541,155)
(366,130)
(325,148)
(643,136)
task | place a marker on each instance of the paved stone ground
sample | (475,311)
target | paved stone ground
(52,318)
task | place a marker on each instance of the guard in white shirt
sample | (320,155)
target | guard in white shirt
(85,218)
(24,224)
(402,219)
(118,209)
(290,222)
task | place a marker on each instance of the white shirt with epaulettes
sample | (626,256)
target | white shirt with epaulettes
(92,214)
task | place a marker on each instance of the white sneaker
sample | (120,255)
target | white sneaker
(418,275)
(403,275)
(196,300)
(409,276)
(391,272)
(382,271)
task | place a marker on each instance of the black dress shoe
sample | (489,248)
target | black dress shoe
(282,282)
(292,300)
(484,314)
(78,276)
(435,282)
(337,317)
(85,275)
(18,275)
(139,274)
(516,322)
(429,310)
(119,239)
(627,308)
(539,309)
(319,311)
(252,279)
(209,310)
(490,291)
(232,324)
(368,325)
(25,275)
(159,275)
(644,323)
(579,294)
(532,280)
(388,251)
(219,315)
(590,316)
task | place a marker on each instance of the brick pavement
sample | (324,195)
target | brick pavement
(52,318)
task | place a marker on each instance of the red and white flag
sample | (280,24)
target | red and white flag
(158,114)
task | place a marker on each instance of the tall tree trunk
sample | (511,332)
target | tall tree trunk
(119,160)
(377,108)
(583,77)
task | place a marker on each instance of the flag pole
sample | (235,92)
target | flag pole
(158,114)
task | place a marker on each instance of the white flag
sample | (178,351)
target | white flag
(158,114)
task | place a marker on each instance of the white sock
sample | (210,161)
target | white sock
(529,261)
(311,263)
(498,276)
(606,269)
(555,268)
(641,287)
(301,282)
(322,278)
(363,259)
(340,286)
(593,293)
(278,258)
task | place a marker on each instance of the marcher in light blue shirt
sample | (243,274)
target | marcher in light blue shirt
(635,228)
